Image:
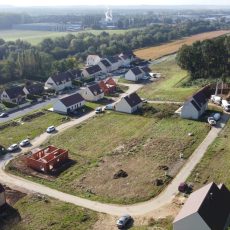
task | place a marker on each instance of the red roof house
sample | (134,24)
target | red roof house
(108,86)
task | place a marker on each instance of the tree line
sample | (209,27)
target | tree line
(21,60)
(209,59)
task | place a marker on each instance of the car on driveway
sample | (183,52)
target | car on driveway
(98,110)
(2,115)
(24,143)
(50,129)
(123,221)
(13,148)
(211,121)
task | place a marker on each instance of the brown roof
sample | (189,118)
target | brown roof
(211,203)
(72,99)
(133,99)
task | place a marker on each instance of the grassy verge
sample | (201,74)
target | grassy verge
(215,164)
(46,213)
(169,86)
(19,130)
(113,141)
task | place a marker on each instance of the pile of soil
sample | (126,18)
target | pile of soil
(121,173)
(32,116)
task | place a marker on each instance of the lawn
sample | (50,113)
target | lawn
(46,213)
(215,164)
(169,87)
(20,130)
(139,145)
(35,37)
(172,47)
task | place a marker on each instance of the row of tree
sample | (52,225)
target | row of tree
(207,59)
(21,60)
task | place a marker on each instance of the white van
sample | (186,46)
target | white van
(226,105)
(216,99)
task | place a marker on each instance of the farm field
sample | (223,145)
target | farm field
(45,213)
(139,145)
(19,129)
(215,164)
(172,47)
(35,37)
(168,88)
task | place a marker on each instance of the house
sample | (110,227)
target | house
(146,70)
(92,60)
(105,66)
(14,95)
(196,105)
(2,195)
(59,81)
(129,103)
(93,92)
(47,159)
(208,208)
(92,71)
(34,89)
(69,103)
(108,86)
(127,58)
(134,74)
(115,61)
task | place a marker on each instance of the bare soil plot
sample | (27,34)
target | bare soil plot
(172,47)
(139,145)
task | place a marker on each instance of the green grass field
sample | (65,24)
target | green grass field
(215,164)
(145,142)
(30,129)
(40,214)
(35,37)
(169,87)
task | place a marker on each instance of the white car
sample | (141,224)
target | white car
(216,99)
(24,143)
(13,147)
(211,121)
(50,129)
(226,105)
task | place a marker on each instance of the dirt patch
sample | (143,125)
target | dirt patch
(30,117)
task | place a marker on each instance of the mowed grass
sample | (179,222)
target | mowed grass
(214,166)
(172,47)
(145,143)
(168,88)
(46,213)
(35,37)
(29,129)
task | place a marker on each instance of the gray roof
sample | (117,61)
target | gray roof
(15,92)
(133,99)
(211,202)
(72,99)
(95,89)
(136,70)
(93,69)
(113,59)
(63,76)
(35,89)
(105,63)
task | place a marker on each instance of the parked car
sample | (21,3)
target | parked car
(216,99)
(211,121)
(50,129)
(123,221)
(98,110)
(226,105)
(2,115)
(13,148)
(24,143)
(109,107)
(217,116)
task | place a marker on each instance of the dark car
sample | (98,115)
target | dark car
(123,221)
(2,115)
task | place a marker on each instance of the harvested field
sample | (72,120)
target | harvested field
(172,47)
(139,145)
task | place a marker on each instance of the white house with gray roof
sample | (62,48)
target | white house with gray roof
(92,92)
(208,208)
(134,74)
(129,103)
(105,65)
(69,103)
